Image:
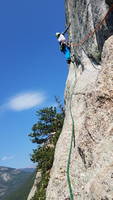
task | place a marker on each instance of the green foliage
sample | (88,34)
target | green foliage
(41,191)
(45,133)
(44,157)
(49,121)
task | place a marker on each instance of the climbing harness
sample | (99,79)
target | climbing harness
(73,132)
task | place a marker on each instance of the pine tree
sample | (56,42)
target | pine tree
(49,121)
(45,134)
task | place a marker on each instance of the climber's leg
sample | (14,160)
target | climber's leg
(68,55)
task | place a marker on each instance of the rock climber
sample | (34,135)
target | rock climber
(64,45)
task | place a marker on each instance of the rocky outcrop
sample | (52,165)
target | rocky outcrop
(34,187)
(89,103)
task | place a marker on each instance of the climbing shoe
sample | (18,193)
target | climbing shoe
(68,61)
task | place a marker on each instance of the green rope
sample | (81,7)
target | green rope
(68,170)
(69,157)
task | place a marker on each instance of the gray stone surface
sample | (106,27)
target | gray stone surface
(89,94)
(84,15)
(91,168)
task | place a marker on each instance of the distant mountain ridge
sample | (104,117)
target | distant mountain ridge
(28,169)
(11,179)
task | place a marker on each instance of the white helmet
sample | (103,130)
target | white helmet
(58,34)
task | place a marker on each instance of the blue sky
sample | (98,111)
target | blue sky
(32,72)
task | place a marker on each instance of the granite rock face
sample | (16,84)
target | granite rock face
(34,187)
(89,103)
(85,16)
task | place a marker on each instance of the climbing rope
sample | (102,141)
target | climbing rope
(68,171)
(90,34)
(70,151)
(73,129)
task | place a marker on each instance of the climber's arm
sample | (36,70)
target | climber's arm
(66,29)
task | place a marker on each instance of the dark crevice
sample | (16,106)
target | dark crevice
(109,2)
(82,155)
(104,99)
(87,162)
(89,133)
